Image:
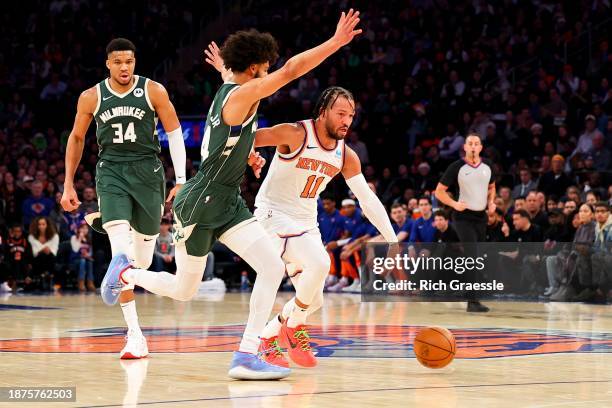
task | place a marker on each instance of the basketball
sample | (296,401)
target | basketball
(435,347)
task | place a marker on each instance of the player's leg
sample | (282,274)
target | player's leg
(250,241)
(308,251)
(269,349)
(192,244)
(120,237)
(116,213)
(146,191)
(190,257)
(274,325)
(286,235)
(141,254)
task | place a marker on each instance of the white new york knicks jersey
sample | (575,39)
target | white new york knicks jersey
(295,180)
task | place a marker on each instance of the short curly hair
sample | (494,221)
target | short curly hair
(244,48)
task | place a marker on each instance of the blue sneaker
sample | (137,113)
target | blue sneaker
(246,366)
(111,284)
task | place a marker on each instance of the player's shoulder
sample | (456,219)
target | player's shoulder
(154,86)
(90,93)
(350,154)
(89,98)
(295,128)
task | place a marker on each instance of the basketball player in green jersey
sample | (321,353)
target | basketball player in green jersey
(129,175)
(209,206)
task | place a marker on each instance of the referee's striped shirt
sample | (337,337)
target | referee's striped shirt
(473,185)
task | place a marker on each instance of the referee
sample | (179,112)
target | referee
(474,178)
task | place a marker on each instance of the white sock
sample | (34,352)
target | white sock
(297,317)
(131,317)
(288,308)
(272,328)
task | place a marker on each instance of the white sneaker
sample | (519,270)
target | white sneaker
(5,287)
(214,285)
(331,280)
(136,347)
(348,288)
(342,283)
(354,287)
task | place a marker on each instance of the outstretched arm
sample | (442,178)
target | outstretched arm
(241,101)
(370,204)
(76,142)
(167,114)
(288,137)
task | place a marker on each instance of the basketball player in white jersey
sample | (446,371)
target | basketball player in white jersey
(309,155)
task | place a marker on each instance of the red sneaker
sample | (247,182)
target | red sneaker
(297,342)
(272,353)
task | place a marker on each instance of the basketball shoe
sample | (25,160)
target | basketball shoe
(110,289)
(354,287)
(342,283)
(297,342)
(271,352)
(247,366)
(135,348)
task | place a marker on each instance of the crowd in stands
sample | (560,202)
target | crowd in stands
(523,74)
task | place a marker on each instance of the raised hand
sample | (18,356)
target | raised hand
(213,57)
(345,30)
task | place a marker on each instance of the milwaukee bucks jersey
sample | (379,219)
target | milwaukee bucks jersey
(126,123)
(225,149)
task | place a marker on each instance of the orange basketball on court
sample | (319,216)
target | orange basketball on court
(434,347)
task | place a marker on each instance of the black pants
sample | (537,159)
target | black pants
(472,231)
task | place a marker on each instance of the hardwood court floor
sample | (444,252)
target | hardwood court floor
(519,354)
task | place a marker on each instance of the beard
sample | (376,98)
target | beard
(333,133)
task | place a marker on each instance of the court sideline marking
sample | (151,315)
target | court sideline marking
(356,391)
